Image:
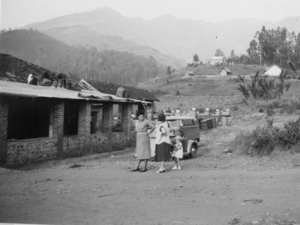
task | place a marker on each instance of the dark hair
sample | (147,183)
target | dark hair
(161,117)
(141,112)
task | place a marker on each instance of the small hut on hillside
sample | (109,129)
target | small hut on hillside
(188,74)
(225,72)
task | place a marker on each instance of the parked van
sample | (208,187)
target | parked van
(187,128)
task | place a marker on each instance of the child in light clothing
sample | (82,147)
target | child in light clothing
(177,153)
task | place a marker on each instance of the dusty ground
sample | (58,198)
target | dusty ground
(214,188)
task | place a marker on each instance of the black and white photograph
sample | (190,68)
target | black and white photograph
(150,112)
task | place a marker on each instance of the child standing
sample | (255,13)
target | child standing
(177,153)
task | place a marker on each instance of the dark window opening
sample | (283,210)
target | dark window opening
(28,118)
(94,115)
(96,118)
(71,119)
(117,118)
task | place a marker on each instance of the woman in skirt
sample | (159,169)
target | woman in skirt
(162,141)
(143,151)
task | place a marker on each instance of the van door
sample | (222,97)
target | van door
(191,130)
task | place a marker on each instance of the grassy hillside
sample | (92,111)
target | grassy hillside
(200,93)
(236,69)
(208,91)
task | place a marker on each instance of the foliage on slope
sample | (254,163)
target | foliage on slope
(110,66)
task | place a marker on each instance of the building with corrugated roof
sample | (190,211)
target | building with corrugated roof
(43,122)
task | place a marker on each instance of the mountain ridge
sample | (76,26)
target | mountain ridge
(181,38)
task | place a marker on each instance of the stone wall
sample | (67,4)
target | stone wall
(30,150)
(94,143)
(20,152)
(3,130)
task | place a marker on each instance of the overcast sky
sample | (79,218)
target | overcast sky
(18,13)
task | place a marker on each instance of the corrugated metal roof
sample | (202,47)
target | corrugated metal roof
(134,93)
(21,89)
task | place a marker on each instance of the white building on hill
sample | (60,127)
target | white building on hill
(217,60)
(273,70)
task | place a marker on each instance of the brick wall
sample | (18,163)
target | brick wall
(58,127)
(18,152)
(107,117)
(3,130)
(126,118)
(84,120)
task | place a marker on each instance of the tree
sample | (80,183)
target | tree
(169,71)
(118,67)
(253,52)
(196,58)
(219,53)
(244,59)
(276,46)
(232,55)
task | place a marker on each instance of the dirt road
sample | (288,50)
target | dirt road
(103,191)
(214,188)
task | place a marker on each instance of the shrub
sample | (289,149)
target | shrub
(177,93)
(286,105)
(263,140)
(235,108)
(270,112)
(200,110)
(263,88)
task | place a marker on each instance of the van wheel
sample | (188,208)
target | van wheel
(193,152)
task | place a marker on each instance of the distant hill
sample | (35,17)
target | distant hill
(181,38)
(109,65)
(82,35)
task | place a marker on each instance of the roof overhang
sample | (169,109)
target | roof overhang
(31,91)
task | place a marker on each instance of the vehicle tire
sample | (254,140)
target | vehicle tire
(193,152)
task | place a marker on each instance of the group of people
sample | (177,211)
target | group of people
(58,78)
(164,150)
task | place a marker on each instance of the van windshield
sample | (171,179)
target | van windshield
(173,123)
(188,122)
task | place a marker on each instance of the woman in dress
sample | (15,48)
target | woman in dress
(162,141)
(143,151)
